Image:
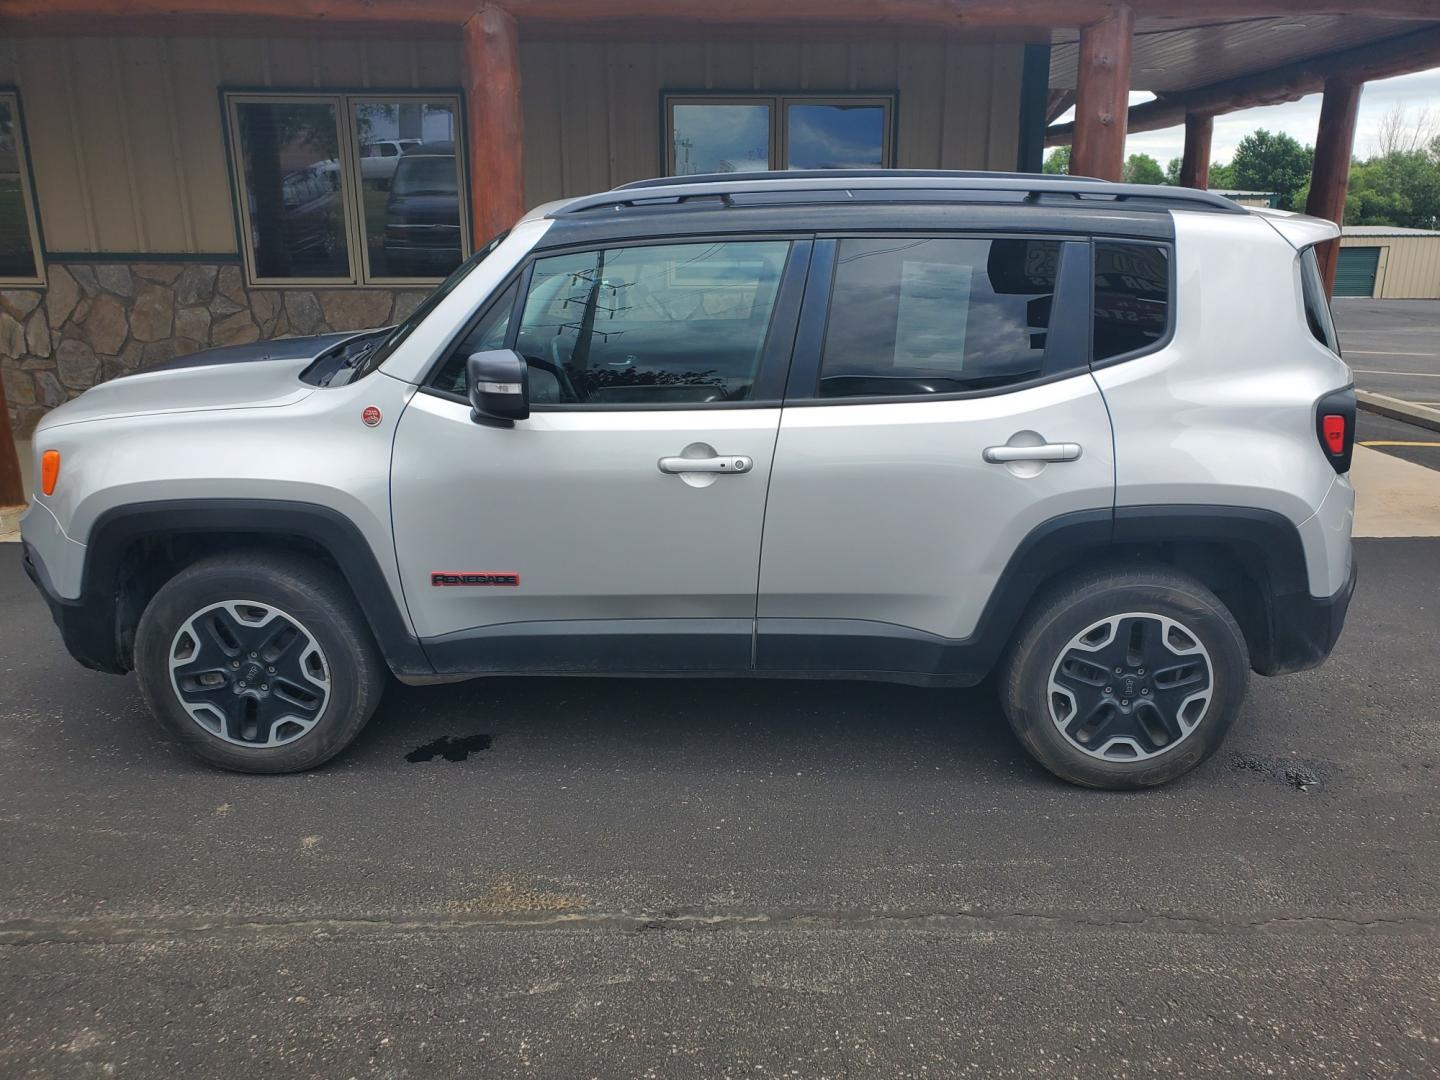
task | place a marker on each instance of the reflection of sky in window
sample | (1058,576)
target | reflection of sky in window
(836,137)
(721,138)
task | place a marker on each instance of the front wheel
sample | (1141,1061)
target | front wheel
(258,663)
(1125,678)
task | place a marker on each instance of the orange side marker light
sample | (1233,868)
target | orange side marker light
(49,471)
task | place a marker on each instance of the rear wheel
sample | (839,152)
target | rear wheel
(258,663)
(1125,679)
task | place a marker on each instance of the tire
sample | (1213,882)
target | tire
(1144,725)
(327,672)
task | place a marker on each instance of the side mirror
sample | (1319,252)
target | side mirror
(499,383)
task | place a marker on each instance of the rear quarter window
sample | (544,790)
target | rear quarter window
(1132,298)
(1317,305)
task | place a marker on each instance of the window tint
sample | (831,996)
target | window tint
(937,316)
(411,201)
(1132,297)
(656,324)
(1317,306)
(720,137)
(329,193)
(726,132)
(821,135)
(17,228)
(289,155)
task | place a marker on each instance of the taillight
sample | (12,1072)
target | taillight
(49,471)
(1333,428)
(1335,425)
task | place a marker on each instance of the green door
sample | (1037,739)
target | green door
(1355,273)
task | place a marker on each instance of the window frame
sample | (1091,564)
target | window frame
(28,197)
(777,100)
(348,156)
(776,356)
(1069,332)
(1165,339)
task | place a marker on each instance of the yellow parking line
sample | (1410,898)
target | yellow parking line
(1392,442)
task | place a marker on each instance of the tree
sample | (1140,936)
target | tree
(1273,162)
(1401,189)
(1058,160)
(1142,169)
(1172,171)
(1222,176)
(1399,134)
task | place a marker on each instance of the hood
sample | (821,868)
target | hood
(265,374)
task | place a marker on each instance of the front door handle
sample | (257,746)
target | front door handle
(1001,455)
(723,463)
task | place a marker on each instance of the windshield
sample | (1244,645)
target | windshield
(425,176)
(383,347)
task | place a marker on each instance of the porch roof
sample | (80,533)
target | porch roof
(1175,55)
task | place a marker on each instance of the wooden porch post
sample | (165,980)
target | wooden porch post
(1330,179)
(1102,96)
(1195,166)
(492,82)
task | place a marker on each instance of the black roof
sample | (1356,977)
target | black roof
(712,218)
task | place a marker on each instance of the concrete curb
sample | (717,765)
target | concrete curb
(1396,409)
(10,520)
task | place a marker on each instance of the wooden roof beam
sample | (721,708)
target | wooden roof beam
(938,14)
(1378,60)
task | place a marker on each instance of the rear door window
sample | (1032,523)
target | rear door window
(920,316)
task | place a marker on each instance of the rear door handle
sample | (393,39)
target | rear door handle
(725,463)
(1000,455)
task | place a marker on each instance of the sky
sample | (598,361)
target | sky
(1297,118)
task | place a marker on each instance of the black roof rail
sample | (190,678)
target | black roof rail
(905,185)
(849,174)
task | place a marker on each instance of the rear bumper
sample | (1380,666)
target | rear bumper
(1304,629)
(89,634)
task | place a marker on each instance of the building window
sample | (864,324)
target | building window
(710,133)
(349,188)
(19,231)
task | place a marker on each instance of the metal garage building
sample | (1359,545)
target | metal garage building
(1389,263)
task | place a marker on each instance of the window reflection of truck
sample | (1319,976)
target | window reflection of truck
(309,223)
(378,160)
(311,200)
(422,214)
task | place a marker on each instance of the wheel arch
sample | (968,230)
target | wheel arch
(133,550)
(1252,559)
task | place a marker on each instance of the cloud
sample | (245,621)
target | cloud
(1299,119)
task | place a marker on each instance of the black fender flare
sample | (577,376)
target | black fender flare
(265,519)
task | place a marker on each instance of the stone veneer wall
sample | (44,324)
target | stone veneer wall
(96,321)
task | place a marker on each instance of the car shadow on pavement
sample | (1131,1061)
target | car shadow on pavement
(745,725)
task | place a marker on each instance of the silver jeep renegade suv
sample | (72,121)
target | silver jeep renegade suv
(918,427)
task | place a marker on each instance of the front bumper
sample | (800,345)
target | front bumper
(1304,629)
(88,632)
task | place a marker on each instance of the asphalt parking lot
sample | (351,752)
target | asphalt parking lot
(1393,346)
(571,878)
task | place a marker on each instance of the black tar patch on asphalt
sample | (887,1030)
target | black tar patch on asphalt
(450,748)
